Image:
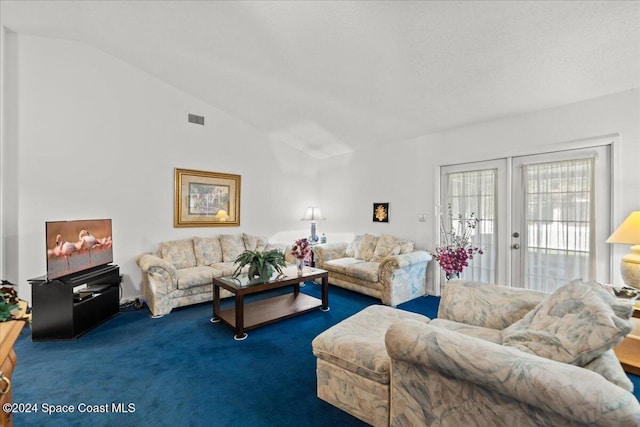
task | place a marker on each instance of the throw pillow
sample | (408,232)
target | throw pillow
(621,309)
(385,246)
(366,248)
(254,243)
(262,244)
(406,246)
(207,250)
(351,249)
(282,247)
(179,253)
(232,246)
(572,325)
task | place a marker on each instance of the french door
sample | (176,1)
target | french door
(544,218)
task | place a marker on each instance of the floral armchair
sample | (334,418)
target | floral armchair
(503,356)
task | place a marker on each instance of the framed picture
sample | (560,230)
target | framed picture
(381,212)
(206,199)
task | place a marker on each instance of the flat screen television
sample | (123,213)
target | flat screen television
(74,246)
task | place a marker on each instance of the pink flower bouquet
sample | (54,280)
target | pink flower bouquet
(301,250)
(456,249)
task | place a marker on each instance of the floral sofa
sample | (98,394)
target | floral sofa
(179,273)
(383,267)
(494,356)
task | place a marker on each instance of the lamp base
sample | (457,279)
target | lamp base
(313,239)
(630,267)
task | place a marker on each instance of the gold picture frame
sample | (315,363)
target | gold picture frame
(206,199)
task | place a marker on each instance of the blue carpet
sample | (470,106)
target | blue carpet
(183,370)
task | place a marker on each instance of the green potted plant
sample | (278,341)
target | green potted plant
(8,304)
(261,264)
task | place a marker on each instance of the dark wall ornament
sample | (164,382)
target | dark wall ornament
(381,212)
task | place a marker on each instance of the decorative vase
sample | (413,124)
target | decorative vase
(450,276)
(299,265)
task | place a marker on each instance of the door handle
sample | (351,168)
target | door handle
(515,246)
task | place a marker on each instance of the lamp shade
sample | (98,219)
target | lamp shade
(313,214)
(222,215)
(628,232)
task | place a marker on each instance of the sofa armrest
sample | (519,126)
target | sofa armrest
(508,375)
(328,251)
(403,277)
(405,260)
(486,305)
(150,263)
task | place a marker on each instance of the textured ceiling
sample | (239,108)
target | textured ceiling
(332,77)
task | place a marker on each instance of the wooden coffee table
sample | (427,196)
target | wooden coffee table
(243,316)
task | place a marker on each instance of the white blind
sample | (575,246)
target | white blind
(560,223)
(475,192)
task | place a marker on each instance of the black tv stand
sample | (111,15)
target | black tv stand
(68,307)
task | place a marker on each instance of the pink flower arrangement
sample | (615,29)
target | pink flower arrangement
(457,249)
(301,250)
(454,259)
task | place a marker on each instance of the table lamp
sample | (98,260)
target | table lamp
(629,233)
(313,214)
(222,215)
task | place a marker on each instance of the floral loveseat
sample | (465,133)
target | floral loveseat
(383,267)
(494,356)
(179,273)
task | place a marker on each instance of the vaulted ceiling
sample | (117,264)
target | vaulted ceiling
(331,77)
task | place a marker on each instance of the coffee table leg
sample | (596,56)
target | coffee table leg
(240,334)
(216,304)
(325,293)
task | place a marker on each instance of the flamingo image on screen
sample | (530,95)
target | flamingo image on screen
(74,246)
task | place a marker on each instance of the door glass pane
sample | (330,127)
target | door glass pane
(558,219)
(473,193)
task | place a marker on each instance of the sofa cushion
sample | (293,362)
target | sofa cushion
(179,253)
(487,305)
(364,271)
(340,265)
(207,250)
(355,243)
(197,276)
(232,246)
(487,334)
(366,248)
(386,245)
(254,243)
(572,325)
(226,268)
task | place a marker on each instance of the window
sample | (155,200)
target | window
(544,218)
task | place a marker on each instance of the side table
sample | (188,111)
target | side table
(9,333)
(628,351)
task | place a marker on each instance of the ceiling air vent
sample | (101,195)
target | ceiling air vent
(199,120)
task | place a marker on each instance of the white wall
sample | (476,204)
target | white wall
(88,136)
(92,137)
(404,174)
